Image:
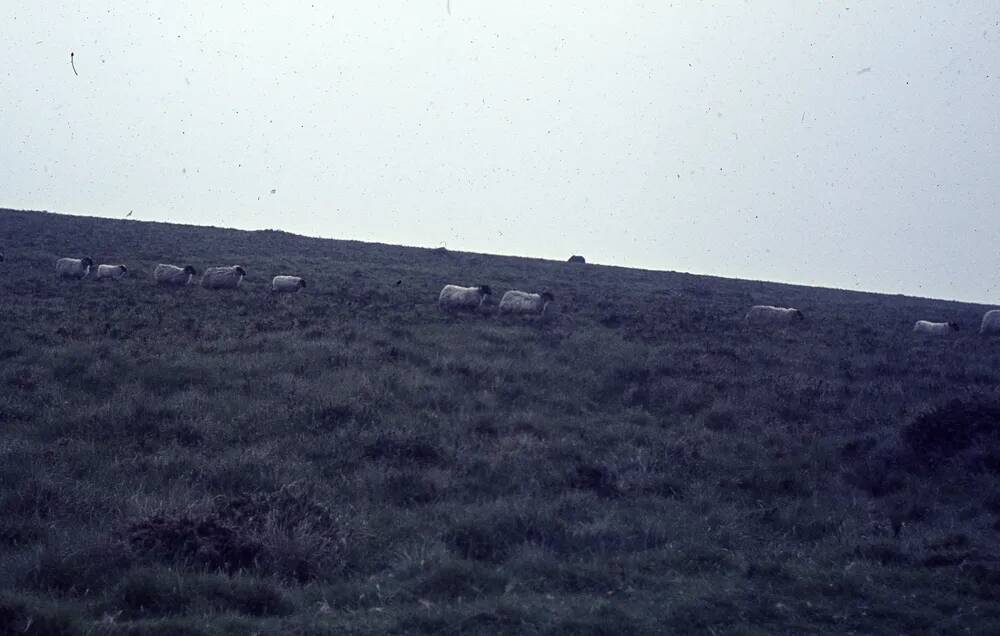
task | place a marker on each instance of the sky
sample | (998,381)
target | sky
(838,144)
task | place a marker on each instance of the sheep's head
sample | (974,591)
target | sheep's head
(123,269)
(798,315)
(485,290)
(240,271)
(190,271)
(1,256)
(86,261)
(302,283)
(548,296)
(953,325)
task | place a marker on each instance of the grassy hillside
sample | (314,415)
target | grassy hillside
(350,460)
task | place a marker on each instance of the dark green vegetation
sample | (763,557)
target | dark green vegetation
(350,460)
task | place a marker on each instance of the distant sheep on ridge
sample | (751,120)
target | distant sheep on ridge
(525,303)
(111,272)
(223,277)
(576,259)
(287,284)
(454,297)
(767,314)
(935,328)
(173,275)
(991,322)
(74,267)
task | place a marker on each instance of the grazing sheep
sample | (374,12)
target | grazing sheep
(525,303)
(74,267)
(287,283)
(223,277)
(576,259)
(173,275)
(935,328)
(111,272)
(991,322)
(766,314)
(454,297)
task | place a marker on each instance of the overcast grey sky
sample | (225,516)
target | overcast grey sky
(853,145)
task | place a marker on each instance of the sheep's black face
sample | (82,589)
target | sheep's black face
(87,262)
(798,315)
(240,271)
(1,257)
(953,325)
(123,268)
(486,290)
(548,296)
(302,283)
(190,270)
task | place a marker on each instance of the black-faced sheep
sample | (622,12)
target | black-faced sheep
(74,267)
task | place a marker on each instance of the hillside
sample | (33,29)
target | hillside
(350,460)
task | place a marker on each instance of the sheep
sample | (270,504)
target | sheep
(287,283)
(112,272)
(525,303)
(74,267)
(760,314)
(223,277)
(454,297)
(173,275)
(576,259)
(935,328)
(991,322)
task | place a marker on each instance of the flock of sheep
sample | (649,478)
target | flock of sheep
(228,277)
(451,298)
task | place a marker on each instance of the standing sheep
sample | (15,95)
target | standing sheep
(576,258)
(111,272)
(454,297)
(767,314)
(174,276)
(935,328)
(223,277)
(991,322)
(74,267)
(289,284)
(525,303)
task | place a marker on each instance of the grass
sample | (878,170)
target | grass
(351,460)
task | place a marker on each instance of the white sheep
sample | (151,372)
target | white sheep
(767,314)
(74,267)
(223,277)
(991,322)
(289,284)
(111,272)
(173,275)
(524,303)
(454,297)
(935,328)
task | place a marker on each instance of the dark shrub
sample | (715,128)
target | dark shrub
(200,542)
(403,449)
(949,429)
(493,537)
(596,479)
(17,617)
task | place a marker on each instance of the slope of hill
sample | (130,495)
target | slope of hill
(350,460)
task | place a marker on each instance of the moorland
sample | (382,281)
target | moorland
(352,460)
